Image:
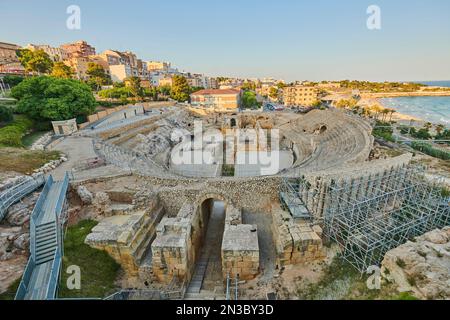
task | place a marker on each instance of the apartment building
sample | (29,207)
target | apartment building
(299,95)
(158,66)
(55,53)
(80,66)
(78,49)
(219,100)
(8,53)
(165,81)
(124,64)
(120,72)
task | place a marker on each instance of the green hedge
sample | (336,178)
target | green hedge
(431,151)
(11,135)
(6,114)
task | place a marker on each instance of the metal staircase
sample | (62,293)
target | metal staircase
(46,242)
(41,275)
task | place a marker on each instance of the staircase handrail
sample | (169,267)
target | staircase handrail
(23,286)
(17,192)
(54,275)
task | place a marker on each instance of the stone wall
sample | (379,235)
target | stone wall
(252,194)
(126,238)
(240,252)
(175,249)
(296,242)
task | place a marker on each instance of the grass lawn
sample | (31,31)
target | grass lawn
(11,292)
(24,161)
(98,269)
(342,282)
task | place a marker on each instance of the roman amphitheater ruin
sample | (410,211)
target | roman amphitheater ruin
(186,227)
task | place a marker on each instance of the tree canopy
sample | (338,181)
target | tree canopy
(134,85)
(97,76)
(47,98)
(60,70)
(249,100)
(12,80)
(180,89)
(36,61)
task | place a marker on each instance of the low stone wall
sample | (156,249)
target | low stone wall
(296,243)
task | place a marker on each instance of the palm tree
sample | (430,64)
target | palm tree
(439,129)
(428,126)
(391,111)
(384,112)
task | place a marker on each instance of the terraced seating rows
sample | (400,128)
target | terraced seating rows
(332,138)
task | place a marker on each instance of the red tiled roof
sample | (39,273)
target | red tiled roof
(215,91)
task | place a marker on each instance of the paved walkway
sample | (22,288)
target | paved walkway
(77,149)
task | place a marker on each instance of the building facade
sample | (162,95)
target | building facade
(78,49)
(219,100)
(157,66)
(56,54)
(8,53)
(299,96)
(79,65)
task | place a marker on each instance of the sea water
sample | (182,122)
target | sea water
(432,109)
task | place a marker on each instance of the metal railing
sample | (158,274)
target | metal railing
(54,276)
(17,192)
(26,277)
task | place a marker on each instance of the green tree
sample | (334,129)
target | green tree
(273,93)
(36,61)
(249,85)
(46,98)
(439,129)
(6,114)
(164,90)
(122,93)
(119,85)
(60,70)
(281,85)
(134,84)
(249,100)
(97,76)
(12,80)
(180,89)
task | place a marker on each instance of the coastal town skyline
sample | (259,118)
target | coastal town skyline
(408,47)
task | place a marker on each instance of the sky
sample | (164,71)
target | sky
(285,39)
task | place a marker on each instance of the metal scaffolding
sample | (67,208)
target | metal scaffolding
(375,214)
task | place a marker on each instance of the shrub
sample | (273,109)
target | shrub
(6,114)
(400,263)
(423,134)
(431,151)
(12,80)
(383,130)
(11,135)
